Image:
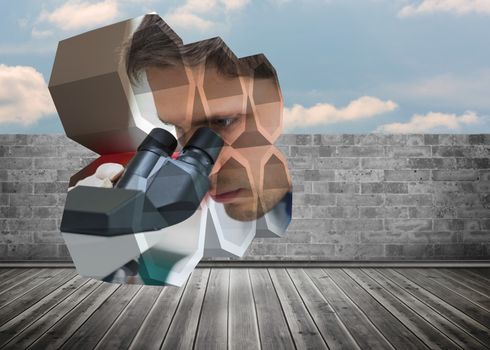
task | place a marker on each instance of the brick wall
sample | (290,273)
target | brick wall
(356,197)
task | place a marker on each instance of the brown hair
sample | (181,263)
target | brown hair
(155,44)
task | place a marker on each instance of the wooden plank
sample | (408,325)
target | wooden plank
(361,328)
(468,281)
(432,337)
(212,332)
(396,333)
(69,323)
(477,313)
(230,307)
(90,333)
(153,330)
(17,278)
(53,285)
(4,270)
(26,285)
(303,329)
(470,294)
(266,263)
(329,324)
(273,328)
(242,317)
(484,271)
(480,274)
(27,327)
(456,325)
(14,275)
(123,330)
(182,331)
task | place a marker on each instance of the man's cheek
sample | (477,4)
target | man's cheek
(224,155)
(263,126)
(232,170)
(268,167)
(269,120)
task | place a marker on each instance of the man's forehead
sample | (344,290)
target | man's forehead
(200,72)
(224,108)
(212,95)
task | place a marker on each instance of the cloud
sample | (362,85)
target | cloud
(303,2)
(465,91)
(24,96)
(189,20)
(459,7)
(233,5)
(203,15)
(27,48)
(78,14)
(323,113)
(430,122)
(41,33)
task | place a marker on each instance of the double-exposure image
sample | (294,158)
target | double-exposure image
(185,133)
(245,174)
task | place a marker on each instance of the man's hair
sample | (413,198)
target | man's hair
(155,44)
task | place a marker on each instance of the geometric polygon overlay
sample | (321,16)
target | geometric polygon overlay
(226,236)
(90,91)
(113,85)
(165,256)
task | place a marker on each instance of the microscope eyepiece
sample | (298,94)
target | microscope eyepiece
(207,141)
(202,150)
(159,141)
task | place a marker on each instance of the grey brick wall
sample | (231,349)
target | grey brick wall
(356,197)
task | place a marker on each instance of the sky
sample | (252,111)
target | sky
(344,66)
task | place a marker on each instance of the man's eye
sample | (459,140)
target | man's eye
(223,122)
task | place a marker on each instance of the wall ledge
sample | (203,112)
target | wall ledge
(282,264)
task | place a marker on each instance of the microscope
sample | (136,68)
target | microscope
(154,192)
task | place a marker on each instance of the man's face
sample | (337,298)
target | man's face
(250,175)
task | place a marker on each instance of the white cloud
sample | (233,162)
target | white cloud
(464,91)
(459,7)
(323,113)
(78,14)
(23,22)
(233,5)
(188,20)
(303,2)
(203,14)
(430,122)
(24,95)
(41,33)
(27,48)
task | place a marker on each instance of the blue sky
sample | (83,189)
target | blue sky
(345,66)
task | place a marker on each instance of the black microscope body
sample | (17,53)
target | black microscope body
(154,192)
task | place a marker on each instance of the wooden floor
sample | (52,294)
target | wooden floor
(239,308)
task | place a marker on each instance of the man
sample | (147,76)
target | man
(194,85)
(204,84)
